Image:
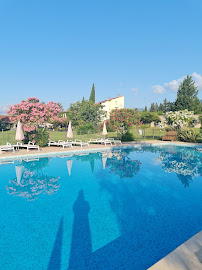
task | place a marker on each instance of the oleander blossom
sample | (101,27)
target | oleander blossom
(122,119)
(32,113)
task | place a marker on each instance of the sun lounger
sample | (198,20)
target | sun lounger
(105,141)
(60,143)
(79,142)
(93,141)
(115,142)
(101,141)
(6,148)
(67,144)
(54,143)
(29,146)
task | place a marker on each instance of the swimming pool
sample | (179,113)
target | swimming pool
(118,209)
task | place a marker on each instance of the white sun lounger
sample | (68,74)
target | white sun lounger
(115,142)
(101,141)
(54,143)
(79,142)
(60,143)
(6,148)
(29,146)
(67,144)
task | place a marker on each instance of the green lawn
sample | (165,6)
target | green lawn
(62,135)
(7,136)
(148,134)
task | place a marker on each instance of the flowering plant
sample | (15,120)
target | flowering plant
(180,118)
(161,126)
(122,119)
(32,112)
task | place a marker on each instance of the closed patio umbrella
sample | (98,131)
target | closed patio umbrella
(69,166)
(104,132)
(19,171)
(19,136)
(69,131)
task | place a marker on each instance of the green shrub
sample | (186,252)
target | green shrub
(188,135)
(200,119)
(4,126)
(170,128)
(85,129)
(40,137)
(129,136)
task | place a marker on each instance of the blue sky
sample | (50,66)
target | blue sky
(56,50)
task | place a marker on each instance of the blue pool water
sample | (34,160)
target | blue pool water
(121,209)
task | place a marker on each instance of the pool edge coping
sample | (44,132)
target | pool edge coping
(184,256)
(92,150)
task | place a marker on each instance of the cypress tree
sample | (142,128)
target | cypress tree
(92,94)
(152,108)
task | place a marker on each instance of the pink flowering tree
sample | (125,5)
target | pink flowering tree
(121,120)
(32,113)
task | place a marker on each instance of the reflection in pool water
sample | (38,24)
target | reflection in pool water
(186,163)
(107,210)
(32,180)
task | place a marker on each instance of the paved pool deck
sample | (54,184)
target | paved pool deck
(57,150)
(188,256)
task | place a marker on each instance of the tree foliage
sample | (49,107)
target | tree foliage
(92,94)
(3,125)
(85,112)
(187,96)
(161,108)
(148,117)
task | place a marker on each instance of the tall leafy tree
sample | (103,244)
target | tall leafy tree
(148,117)
(187,96)
(85,113)
(92,94)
